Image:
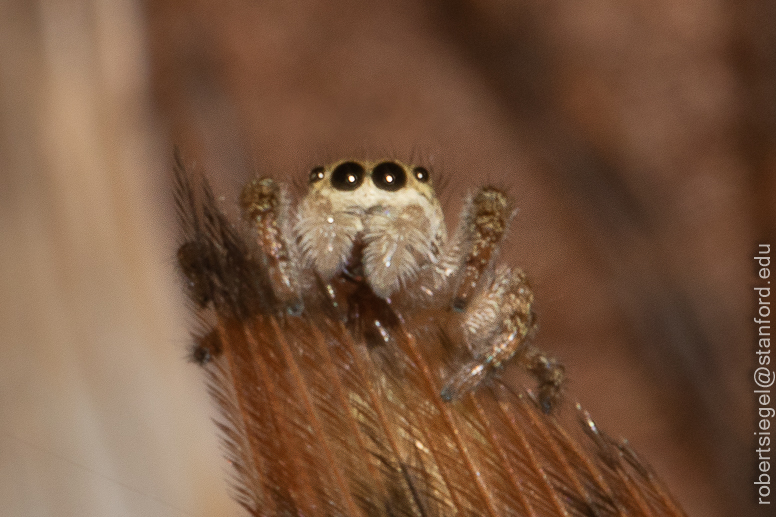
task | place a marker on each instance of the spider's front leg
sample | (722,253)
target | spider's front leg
(498,323)
(485,221)
(266,206)
(498,317)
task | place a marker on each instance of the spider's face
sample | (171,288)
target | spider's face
(387,207)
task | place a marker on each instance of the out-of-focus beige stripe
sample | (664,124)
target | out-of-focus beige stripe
(99,413)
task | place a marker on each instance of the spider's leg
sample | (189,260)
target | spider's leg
(266,207)
(484,222)
(498,323)
(548,372)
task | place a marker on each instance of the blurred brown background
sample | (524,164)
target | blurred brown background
(638,139)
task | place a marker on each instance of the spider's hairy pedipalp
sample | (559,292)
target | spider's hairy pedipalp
(325,237)
(396,241)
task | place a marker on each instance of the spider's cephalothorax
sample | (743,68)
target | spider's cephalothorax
(379,226)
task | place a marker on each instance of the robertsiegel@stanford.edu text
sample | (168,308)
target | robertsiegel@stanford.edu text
(763,374)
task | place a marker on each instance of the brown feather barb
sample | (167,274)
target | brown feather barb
(319,420)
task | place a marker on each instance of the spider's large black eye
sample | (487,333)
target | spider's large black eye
(347,176)
(421,174)
(317,174)
(389,176)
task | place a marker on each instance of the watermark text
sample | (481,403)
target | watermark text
(763,374)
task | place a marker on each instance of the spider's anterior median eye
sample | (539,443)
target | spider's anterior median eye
(347,176)
(389,176)
(421,174)
(317,174)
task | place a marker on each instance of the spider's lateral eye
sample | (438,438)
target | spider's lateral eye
(317,174)
(347,176)
(421,174)
(389,176)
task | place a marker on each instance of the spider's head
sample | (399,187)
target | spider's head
(388,208)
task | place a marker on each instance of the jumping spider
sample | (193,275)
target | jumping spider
(379,226)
